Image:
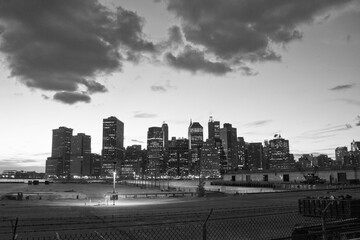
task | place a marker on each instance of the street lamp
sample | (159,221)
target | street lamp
(114,175)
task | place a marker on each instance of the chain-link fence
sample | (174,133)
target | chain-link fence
(282,225)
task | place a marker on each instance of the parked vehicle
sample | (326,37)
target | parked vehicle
(311,178)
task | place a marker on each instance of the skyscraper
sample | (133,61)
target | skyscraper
(59,162)
(213,128)
(155,150)
(80,155)
(341,153)
(210,159)
(112,146)
(196,135)
(228,136)
(279,153)
(178,165)
(255,156)
(165,130)
(133,161)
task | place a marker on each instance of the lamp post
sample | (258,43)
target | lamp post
(114,175)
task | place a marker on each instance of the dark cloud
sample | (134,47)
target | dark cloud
(63,45)
(342,87)
(128,30)
(144,115)
(175,36)
(244,29)
(194,60)
(71,97)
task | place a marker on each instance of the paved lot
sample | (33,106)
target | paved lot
(47,217)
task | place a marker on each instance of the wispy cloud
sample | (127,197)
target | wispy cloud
(144,115)
(162,88)
(136,141)
(350,101)
(325,132)
(357,120)
(258,123)
(342,87)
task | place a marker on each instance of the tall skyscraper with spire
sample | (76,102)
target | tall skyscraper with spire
(112,146)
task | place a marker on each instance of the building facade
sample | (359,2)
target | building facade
(341,155)
(80,155)
(279,151)
(255,156)
(155,151)
(210,159)
(179,155)
(196,136)
(112,146)
(213,129)
(59,162)
(228,136)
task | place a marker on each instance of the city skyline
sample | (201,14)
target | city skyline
(289,68)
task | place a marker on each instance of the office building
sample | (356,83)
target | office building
(196,135)
(59,162)
(112,146)
(228,136)
(341,155)
(213,129)
(155,152)
(133,162)
(255,156)
(80,155)
(210,159)
(179,155)
(279,153)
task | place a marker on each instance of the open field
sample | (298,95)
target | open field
(274,211)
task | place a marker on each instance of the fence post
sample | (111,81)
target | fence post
(323,224)
(14,227)
(204,225)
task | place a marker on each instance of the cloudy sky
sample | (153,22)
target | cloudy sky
(284,67)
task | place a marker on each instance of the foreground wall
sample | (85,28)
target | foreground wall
(331,176)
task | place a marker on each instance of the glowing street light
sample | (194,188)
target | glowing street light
(114,176)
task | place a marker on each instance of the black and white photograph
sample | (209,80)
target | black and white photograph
(179,119)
